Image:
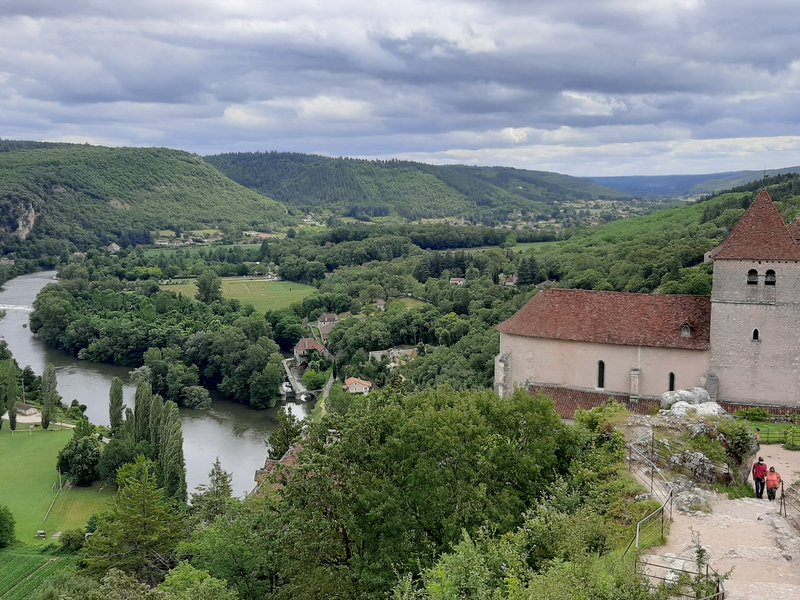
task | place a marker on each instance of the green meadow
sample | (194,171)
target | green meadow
(27,479)
(259,293)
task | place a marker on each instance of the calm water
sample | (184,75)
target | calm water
(234,433)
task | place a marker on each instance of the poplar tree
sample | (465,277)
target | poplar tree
(115,406)
(11,393)
(156,418)
(141,411)
(49,395)
(170,454)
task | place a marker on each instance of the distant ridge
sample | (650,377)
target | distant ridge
(677,186)
(371,188)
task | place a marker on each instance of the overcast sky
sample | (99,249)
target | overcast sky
(584,87)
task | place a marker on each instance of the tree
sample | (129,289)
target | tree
(289,429)
(80,458)
(209,287)
(185,582)
(140,532)
(6,527)
(212,500)
(172,465)
(49,395)
(196,396)
(115,405)
(141,410)
(9,394)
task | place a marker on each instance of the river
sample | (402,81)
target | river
(234,433)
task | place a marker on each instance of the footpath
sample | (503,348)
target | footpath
(747,537)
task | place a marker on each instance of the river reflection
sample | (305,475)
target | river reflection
(234,433)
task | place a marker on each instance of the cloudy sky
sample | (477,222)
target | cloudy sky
(584,87)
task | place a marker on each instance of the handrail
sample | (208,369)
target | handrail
(656,480)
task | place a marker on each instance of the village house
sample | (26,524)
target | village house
(325,331)
(457,281)
(740,344)
(354,385)
(304,348)
(397,356)
(26,410)
(327,319)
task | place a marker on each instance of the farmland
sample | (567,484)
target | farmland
(261,294)
(28,474)
(22,572)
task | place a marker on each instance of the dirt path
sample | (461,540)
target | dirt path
(749,536)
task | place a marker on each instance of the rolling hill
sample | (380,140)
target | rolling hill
(677,186)
(92,195)
(369,188)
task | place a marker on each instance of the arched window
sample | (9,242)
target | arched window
(755,334)
(752,277)
(686,330)
(769,277)
(601,374)
(672,382)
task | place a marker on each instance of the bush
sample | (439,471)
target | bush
(753,414)
(6,527)
(72,540)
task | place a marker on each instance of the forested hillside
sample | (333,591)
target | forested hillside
(362,188)
(90,195)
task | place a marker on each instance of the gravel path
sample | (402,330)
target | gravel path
(748,536)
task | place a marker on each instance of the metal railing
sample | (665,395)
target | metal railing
(666,573)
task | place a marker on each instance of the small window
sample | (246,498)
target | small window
(769,277)
(752,277)
(672,382)
(686,330)
(601,374)
(755,334)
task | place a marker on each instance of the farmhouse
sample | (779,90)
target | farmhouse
(354,385)
(304,348)
(740,344)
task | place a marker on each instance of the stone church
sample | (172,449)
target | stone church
(742,343)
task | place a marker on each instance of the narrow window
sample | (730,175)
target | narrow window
(601,374)
(752,277)
(769,277)
(686,330)
(672,382)
(755,334)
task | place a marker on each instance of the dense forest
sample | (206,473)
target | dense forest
(84,196)
(362,188)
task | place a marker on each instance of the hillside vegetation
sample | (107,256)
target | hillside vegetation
(92,195)
(363,188)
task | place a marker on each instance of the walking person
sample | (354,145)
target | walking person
(773,483)
(759,475)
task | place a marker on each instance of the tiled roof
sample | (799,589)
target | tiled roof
(614,318)
(307,344)
(567,400)
(355,380)
(794,229)
(760,235)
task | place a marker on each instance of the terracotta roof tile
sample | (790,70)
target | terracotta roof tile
(308,344)
(760,235)
(614,318)
(794,229)
(567,400)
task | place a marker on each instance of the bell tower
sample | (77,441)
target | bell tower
(755,310)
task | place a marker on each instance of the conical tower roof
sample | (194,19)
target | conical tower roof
(760,235)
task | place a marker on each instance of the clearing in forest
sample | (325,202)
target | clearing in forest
(261,294)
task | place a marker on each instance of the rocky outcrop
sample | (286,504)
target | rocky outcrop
(25,222)
(705,409)
(695,395)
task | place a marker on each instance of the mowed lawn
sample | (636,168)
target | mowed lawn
(27,474)
(259,293)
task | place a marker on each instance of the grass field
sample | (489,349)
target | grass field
(192,250)
(413,303)
(259,293)
(22,572)
(27,474)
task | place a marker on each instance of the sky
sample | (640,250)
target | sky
(582,87)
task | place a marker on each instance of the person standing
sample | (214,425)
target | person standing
(773,483)
(759,475)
